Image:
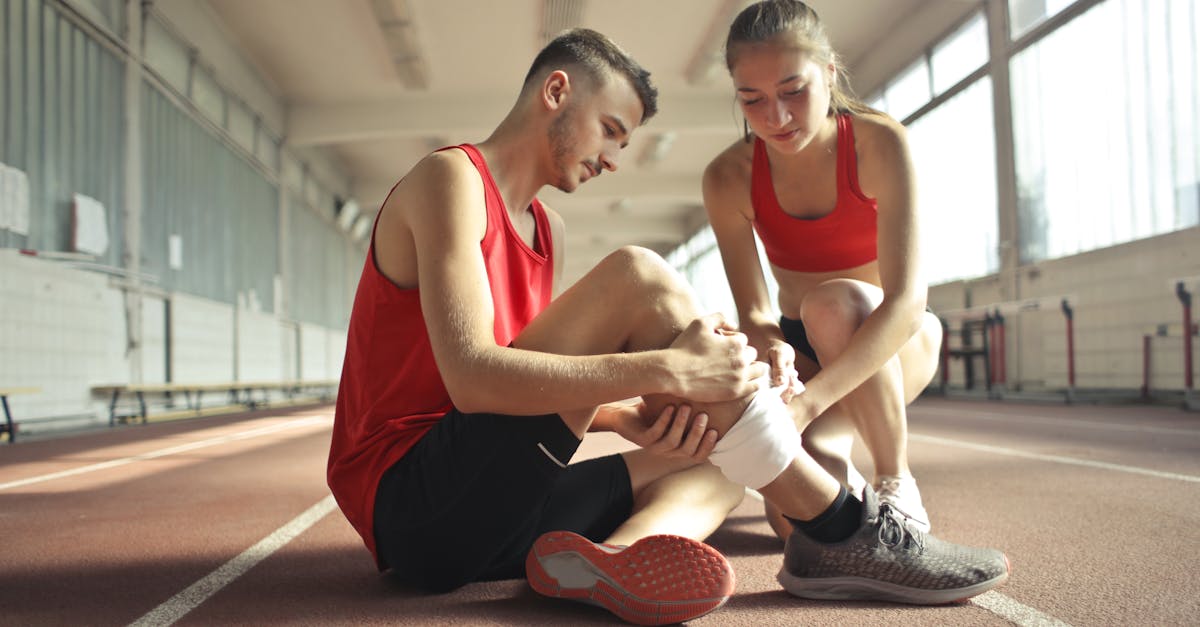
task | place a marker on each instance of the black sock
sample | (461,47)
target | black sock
(838,522)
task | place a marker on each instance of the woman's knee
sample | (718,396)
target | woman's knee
(833,311)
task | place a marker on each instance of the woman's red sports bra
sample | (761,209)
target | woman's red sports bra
(843,239)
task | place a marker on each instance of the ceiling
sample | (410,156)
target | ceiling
(377,84)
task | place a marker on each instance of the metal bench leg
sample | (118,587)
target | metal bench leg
(112,408)
(12,429)
(142,404)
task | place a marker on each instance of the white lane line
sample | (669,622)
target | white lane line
(1005,607)
(1014,612)
(191,446)
(190,598)
(1048,420)
(1059,459)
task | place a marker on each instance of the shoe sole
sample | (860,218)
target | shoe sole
(865,589)
(657,580)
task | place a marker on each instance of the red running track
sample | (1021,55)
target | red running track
(227,520)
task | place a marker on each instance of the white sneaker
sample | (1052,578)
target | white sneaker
(902,494)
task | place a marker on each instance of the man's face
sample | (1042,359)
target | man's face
(589,132)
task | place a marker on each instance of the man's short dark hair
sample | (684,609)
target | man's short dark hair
(596,54)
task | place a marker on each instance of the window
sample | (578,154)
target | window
(1025,14)
(960,54)
(954,151)
(1107,143)
(909,92)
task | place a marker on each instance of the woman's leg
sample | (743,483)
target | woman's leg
(832,313)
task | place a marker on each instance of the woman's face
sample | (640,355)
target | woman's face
(783,93)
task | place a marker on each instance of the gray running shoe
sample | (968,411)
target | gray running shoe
(888,559)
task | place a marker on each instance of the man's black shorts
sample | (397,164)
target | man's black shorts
(467,502)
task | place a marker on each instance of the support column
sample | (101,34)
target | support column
(133,186)
(1006,169)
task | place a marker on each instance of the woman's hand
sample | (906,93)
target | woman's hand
(674,432)
(781,357)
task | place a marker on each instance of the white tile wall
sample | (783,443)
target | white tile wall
(61,330)
(154,339)
(314,352)
(289,343)
(259,347)
(202,340)
(335,353)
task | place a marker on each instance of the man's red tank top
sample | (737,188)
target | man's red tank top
(391,393)
(843,239)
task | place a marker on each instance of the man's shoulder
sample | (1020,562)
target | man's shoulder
(434,176)
(443,166)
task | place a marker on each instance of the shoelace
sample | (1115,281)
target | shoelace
(895,533)
(889,488)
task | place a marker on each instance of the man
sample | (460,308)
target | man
(466,391)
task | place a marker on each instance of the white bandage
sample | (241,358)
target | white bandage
(760,444)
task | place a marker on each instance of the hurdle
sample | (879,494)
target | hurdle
(1186,329)
(991,320)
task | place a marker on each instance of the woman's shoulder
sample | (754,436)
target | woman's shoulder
(731,164)
(876,133)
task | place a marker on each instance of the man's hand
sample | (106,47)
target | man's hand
(714,362)
(673,433)
(781,358)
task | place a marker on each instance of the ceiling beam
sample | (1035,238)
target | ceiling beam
(471,117)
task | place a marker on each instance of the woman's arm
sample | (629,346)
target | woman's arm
(726,187)
(885,173)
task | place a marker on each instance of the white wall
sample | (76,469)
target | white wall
(260,350)
(1118,293)
(154,339)
(61,330)
(202,340)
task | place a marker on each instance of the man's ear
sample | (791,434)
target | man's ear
(555,90)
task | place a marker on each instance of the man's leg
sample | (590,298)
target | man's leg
(634,301)
(645,306)
(690,502)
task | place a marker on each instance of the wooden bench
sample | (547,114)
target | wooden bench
(240,393)
(9,426)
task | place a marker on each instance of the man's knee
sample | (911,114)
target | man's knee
(645,269)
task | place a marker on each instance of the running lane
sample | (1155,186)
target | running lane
(219,521)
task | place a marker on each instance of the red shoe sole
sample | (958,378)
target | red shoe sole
(658,580)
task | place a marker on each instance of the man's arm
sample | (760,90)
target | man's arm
(440,208)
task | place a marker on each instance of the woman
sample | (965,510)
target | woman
(828,185)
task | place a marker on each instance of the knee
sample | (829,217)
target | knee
(833,311)
(648,278)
